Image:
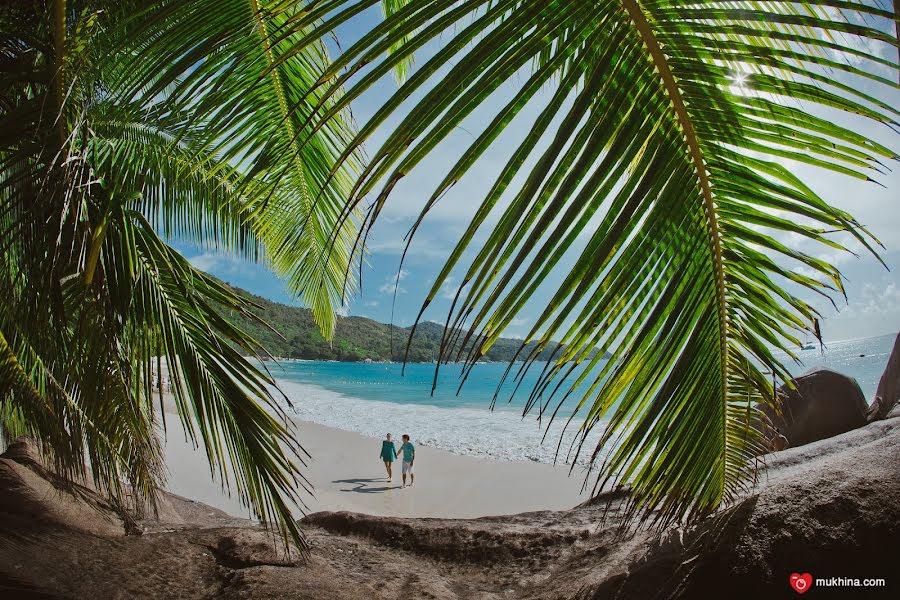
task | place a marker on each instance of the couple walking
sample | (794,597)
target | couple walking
(389,452)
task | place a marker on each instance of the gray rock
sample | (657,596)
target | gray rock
(820,405)
(888,393)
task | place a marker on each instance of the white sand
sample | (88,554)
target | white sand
(347,474)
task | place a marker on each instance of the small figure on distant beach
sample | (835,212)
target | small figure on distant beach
(388,454)
(409,457)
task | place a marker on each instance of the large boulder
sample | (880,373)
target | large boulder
(888,392)
(33,498)
(831,509)
(815,406)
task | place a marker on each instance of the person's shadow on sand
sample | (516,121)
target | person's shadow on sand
(363,487)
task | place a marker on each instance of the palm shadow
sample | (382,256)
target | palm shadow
(363,485)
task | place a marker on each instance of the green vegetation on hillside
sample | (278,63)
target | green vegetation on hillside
(294,334)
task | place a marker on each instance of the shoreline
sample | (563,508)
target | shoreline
(347,475)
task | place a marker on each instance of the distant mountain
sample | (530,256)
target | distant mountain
(355,339)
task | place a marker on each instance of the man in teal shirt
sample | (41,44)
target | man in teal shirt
(409,457)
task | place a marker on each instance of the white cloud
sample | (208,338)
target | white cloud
(206,262)
(864,45)
(451,286)
(221,265)
(872,306)
(875,300)
(518,328)
(392,285)
(448,289)
(394,244)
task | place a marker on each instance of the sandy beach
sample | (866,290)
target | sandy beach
(348,475)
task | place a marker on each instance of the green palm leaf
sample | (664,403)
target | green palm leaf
(644,149)
(249,92)
(126,124)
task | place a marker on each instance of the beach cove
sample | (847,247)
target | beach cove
(347,475)
(472,461)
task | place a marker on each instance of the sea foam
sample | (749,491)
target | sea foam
(501,434)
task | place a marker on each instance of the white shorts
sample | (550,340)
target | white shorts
(407,467)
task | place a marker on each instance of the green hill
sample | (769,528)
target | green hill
(355,339)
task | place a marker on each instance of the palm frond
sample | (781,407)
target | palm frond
(121,121)
(175,315)
(654,183)
(402,68)
(250,91)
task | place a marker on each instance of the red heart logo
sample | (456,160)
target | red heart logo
(801,583)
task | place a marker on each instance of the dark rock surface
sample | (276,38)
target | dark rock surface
(821,404)
(830,508)
(888,393)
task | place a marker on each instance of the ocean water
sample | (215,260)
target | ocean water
(373,399)
(864,359)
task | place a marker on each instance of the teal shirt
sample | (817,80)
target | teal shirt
(409,451)
(388,451)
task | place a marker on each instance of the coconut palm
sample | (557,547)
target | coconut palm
(653,174)
(124,127)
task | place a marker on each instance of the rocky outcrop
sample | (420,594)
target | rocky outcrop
(830,508)
(888,393)
(815,406)
(32,498)
(824,403)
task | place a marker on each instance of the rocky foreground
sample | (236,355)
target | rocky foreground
(831,508)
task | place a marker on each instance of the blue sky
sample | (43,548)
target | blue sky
(873,305)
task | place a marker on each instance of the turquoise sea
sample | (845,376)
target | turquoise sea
(374,398)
